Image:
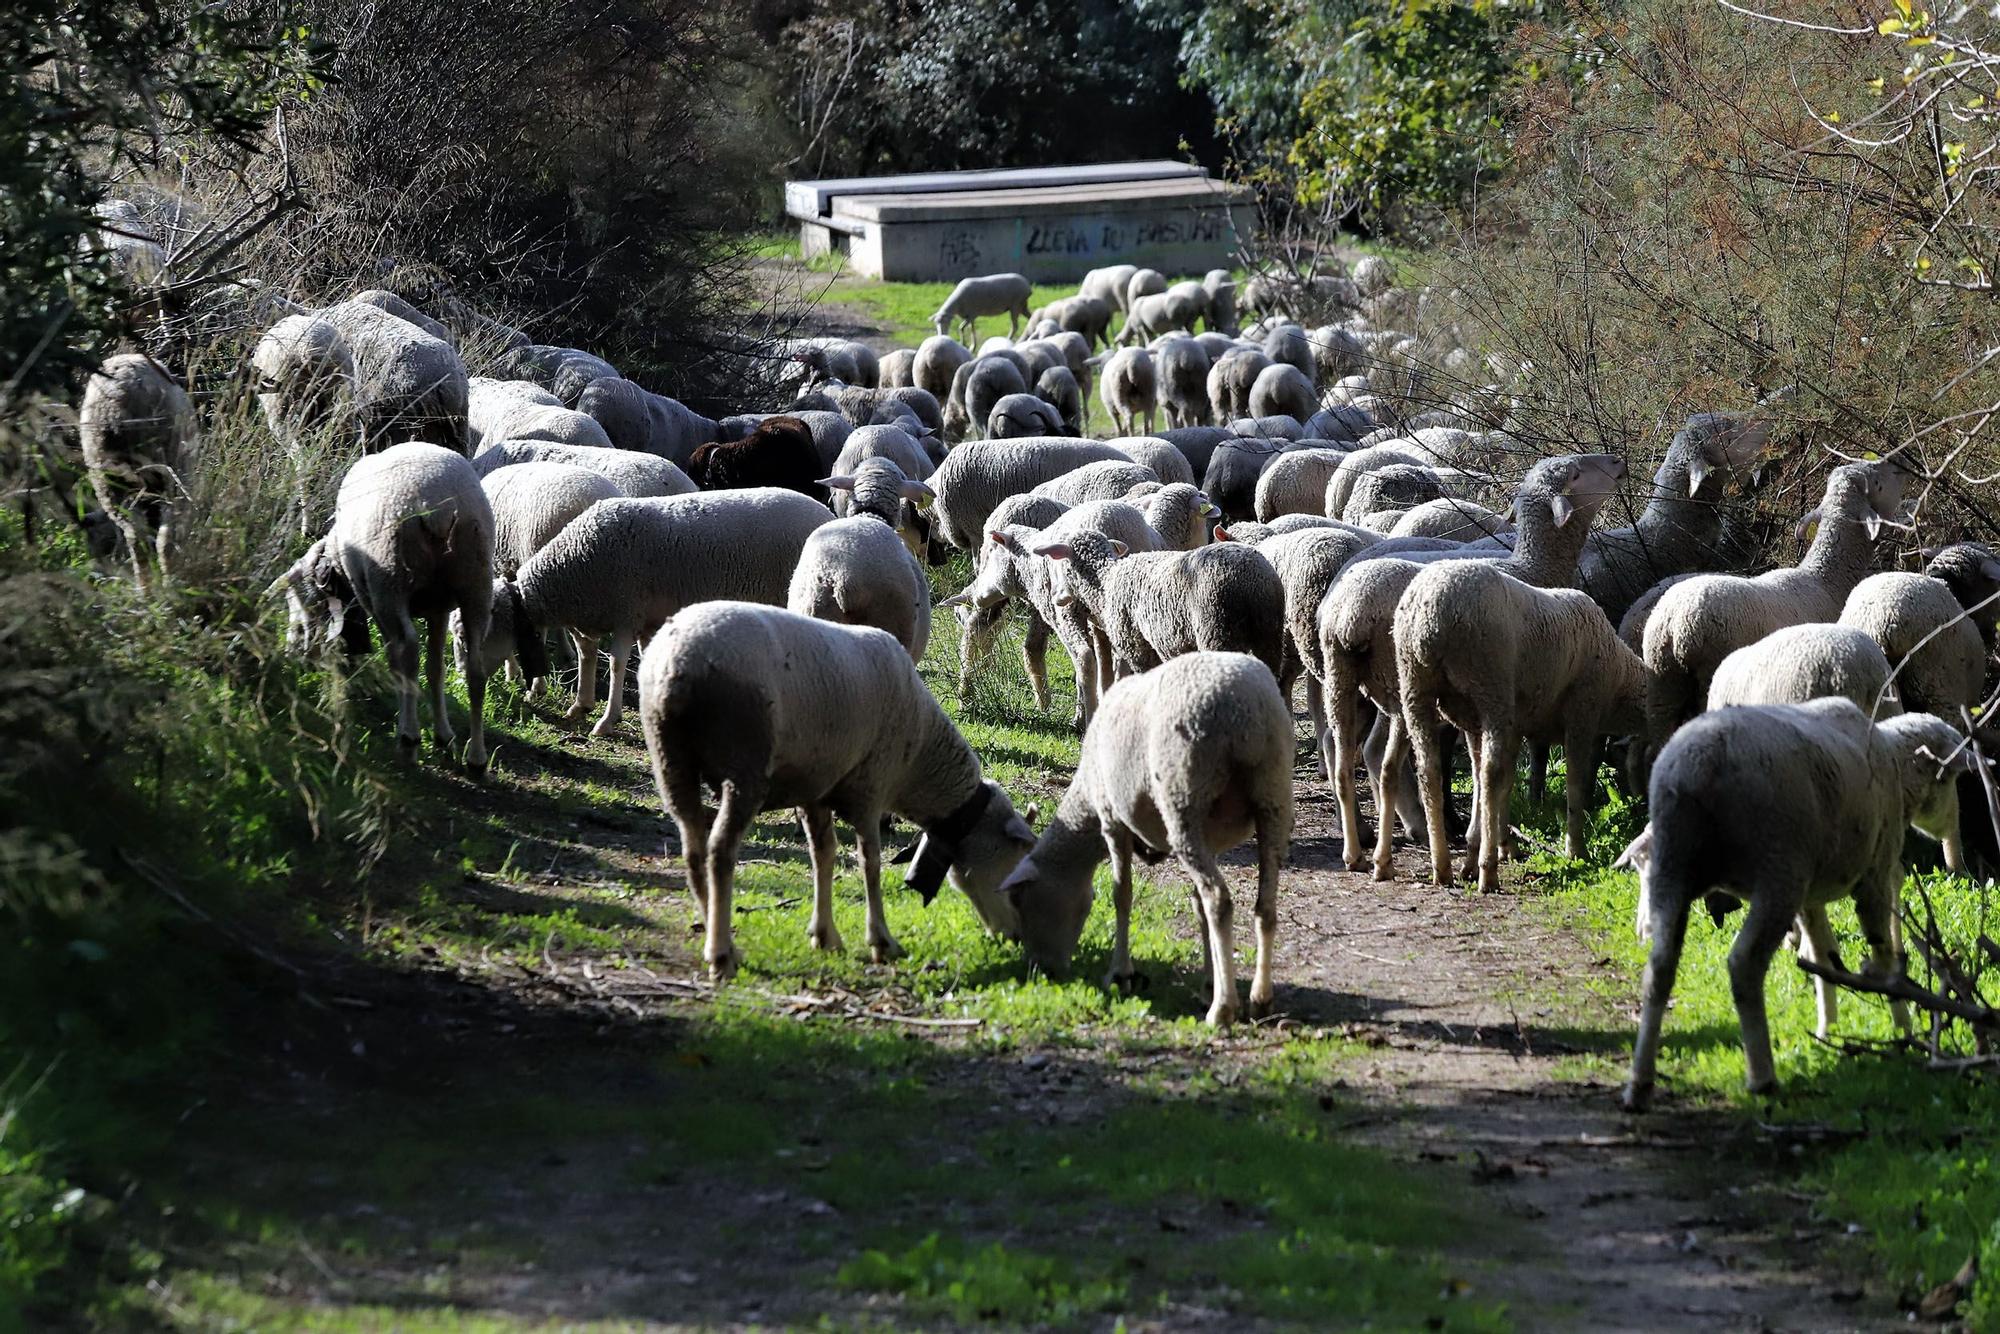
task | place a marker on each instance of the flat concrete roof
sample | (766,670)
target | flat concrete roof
(930,206)
(811,199)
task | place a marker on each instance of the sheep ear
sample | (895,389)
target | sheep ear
(1561,507)
(1807,524)
(1119,548)
(1002,538)
(917,492)
(1019,830)
(1054,550)
(1698,470)
(1873,523)
(844,484)
(1222,534)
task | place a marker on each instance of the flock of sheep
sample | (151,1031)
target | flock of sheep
(1340,505)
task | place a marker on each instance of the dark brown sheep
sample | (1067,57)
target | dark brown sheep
(779,452)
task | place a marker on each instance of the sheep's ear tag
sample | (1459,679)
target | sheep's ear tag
(1697,474)
(1873,523)
(1561,507)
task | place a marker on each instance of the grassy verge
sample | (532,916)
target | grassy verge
(1910,1158)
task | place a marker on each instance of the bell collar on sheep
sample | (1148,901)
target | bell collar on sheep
(934,849)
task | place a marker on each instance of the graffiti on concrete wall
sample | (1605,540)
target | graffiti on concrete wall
(1072,238)
(958,252)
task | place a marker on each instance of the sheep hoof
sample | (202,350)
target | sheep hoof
(1221,1015)
(886,950)
(1637,1097)
(1261,1009)
(1128,984)
(723,967)
(1762,1088)
(827,938)
(475,765)
(604,729)
(407,748)
(574,712)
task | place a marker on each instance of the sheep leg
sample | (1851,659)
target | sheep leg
(1475,826)
(1497,752)
(1035,657)
(1581,752)
(1395,745)
(1118,841)
(475,694)
(614,688)
(733,814)
(1670,920)
(1430,782)
(1538,771)
(1344,727)
(1816,945)
(881,944)
(680,793)
(817,822)
(1878,908)
(1212,892)
(399,645)
(434,674)
(1764,927)
(1316,710)
(1273,835)
(586,676)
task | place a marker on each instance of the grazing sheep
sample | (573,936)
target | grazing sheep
(1973,575)
(1807,662)
(499,410)
(975,478)
(975,298)
(886,442)
(1275,426)
(840,359)
(1196,444)
(938,360)
(981,622)
(977,388)
(1221,288)
(858,572)
(647,422)
(1106,480)
(532,502)
(137,429)
(1340,486)
(1129,387)
(1398,486)
(398,382)
(1504,661)
(758,704)
(1230,379)
(1698,623)
(623,568)
(565,371)
(634,474)
(1337,354)
(1152,607)
(1308,560)
(1373,275)
(1168,463)
(1191,759)
(1453,519)
(1289,345)
(1108,284)
(1788,808)
(1294,482)
(899,368)
(1179,513)
(829,430)
(382,299)
(780,452)
(413,535)
(1057,387)
(1282,390)
(864,407)
(1235,467)
(1356,622)
(1086,315)
(1143,282)
(1181,381)
(1938,656)
(881,490)
(1021,415)
(134,249)
(1159,313)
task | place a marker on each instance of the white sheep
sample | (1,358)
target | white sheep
(1505,661)
(974,478)
(981,625)
(1180,381)
(1295,482)
(759,705)
(1058,387)
(1230,379)
(137,428)
(1394,487)
(1189,759)
(1453,519)
(633,473)
(499,410)
(623,568)
(858,571)
(1807,662)
(1129,387)
(1105,480)
(1698,623)
(1157,313)
(1108,284)
(938,360)
(534,501)
(1143,282)
(395,381)
(899,368)
(1789,807)
(1935,648)
(1282,390)
(565,371)
(975,298)
(637,419)
(1177,511)
(977,388)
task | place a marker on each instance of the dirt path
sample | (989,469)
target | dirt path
(1670,1221)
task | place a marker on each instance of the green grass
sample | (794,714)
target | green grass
(1913,1158)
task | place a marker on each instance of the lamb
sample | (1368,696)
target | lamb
(1939,657)
(623,568)
(650,423)
(1294,482)
(1190,759)
(977,388)
(1505,661)
(1807,662)
(1395,487)
(1105,480)
(632,473)
(780,452)
(1453,519)
(1108,284)
(1152,607)
(398,382)
(1019,415)
(1129,388)
(975,298)
(1177,512)
(565,371)
(981,623)
(137,429)
(855,571)
(1282,390)
(1697,623)
(1789,808)
(532,502)
(938,360)
(1181,380)
(1230,379)
(1356,622)
(899,368)
(412,535)
(1010,568)
(757,703)
(499,410)
(976,477)
(1086,315)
